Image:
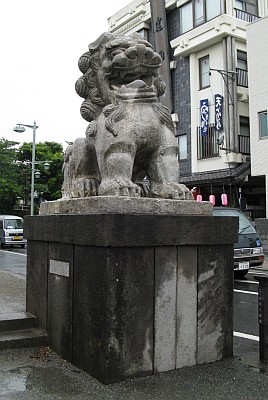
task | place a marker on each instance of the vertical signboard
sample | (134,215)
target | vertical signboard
(204,117)
(161,45)
(218,102)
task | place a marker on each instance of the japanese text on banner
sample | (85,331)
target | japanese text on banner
(204,117)
(218,101)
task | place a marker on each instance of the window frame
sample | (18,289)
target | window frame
(201,75)
(190,3)
(179,137)
(194,24)
(262,136)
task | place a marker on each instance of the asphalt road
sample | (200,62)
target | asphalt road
(246,327)
(13,260)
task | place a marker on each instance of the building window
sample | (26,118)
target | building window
(242,60)
(242,69)
(182,142)
(244,135)
(263,128)
(204,72)
(197,12)
(214,8)
(186,17)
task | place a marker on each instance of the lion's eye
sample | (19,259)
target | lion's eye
(116,51)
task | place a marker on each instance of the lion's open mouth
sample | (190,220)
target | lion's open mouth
(133,83)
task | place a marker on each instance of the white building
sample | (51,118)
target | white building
(257,42)
(209,45)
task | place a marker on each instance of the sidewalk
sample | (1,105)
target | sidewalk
(38,373)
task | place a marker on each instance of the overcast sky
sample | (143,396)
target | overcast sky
(41,42)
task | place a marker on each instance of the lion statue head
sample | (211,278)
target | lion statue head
(113,62)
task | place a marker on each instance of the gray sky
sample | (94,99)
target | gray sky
(41,42)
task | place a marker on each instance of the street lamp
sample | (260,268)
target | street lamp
(21,128)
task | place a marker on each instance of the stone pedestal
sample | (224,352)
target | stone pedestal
(127,295)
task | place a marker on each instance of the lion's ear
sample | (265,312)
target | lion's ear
(102,39)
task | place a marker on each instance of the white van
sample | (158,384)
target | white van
(11,231)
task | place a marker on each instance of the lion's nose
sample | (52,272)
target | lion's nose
(140,53)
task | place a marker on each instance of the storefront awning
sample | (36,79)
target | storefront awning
(222,176)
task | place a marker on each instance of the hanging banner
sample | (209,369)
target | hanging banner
(218,101)
(204,117)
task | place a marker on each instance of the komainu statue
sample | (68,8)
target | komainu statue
(130,135)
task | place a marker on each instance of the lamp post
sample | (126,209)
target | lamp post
(21,128)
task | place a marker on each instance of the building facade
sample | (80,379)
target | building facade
(257,44)
(209,75)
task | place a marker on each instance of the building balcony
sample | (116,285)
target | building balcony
(245,16)
(242,77)
(207,146)
(208,34)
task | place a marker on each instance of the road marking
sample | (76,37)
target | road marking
(243,281)
(245,291)
(13,252)
(259,272)
(247,336)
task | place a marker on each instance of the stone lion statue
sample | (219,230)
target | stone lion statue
(130,135)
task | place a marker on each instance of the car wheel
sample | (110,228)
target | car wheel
(240,274)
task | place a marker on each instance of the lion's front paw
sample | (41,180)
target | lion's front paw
(172,190)
(85,187)
(119,187)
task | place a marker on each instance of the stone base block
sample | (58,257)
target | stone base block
(124,296)
(125,205)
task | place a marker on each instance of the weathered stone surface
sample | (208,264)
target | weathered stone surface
(125,205)
(113,312)
(36,283)
(130,134)
(165,308)
(60,300)
(145,293)
(215,294)
(186,315)
(125,230)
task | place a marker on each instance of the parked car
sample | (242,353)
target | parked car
(248,251)
(11,231)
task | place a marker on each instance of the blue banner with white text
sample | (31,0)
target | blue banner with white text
(204,117)
(218,101)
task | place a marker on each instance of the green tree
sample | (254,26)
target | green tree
(15,172)
(10,173)
(48,186)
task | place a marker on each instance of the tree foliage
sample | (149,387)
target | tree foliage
(9,174)
(16,168)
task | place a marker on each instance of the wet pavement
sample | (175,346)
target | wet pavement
(38,373)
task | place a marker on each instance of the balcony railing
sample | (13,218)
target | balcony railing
(206,145)
(245,16)
(244,144)
(242,77)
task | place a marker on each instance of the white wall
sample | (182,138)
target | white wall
(257,42)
